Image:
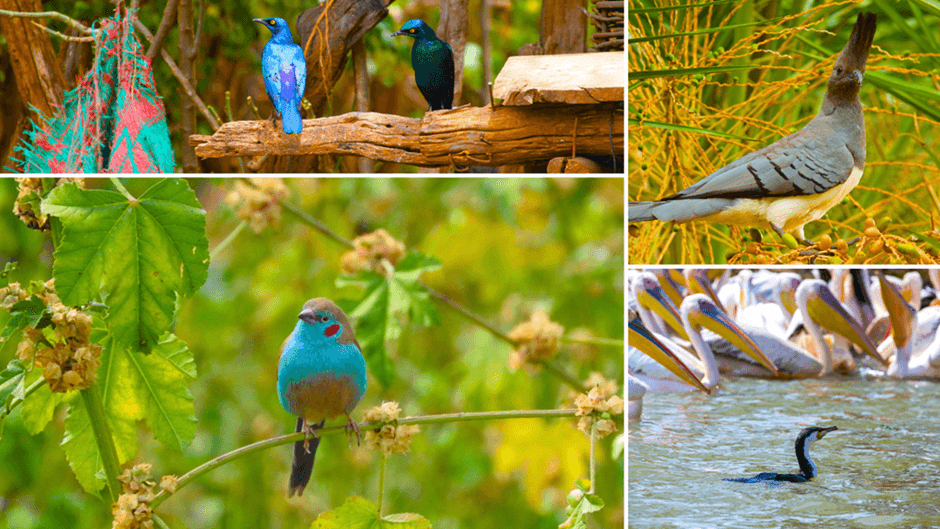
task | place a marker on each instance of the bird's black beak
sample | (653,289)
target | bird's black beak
(399,32)
(307,316)
(824,431)
(258,20)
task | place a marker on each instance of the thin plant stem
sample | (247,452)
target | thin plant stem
(55,15)
(593,460)
(612,342)
(332,430)
(103,438)
(568,379)
(382,481)
(120,187)
(228,240)
(17,401)
(159,521)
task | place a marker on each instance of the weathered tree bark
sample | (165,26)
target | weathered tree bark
(453,30)
(327,34)
(563,26)
(481,136)
(38,74)
(187,46)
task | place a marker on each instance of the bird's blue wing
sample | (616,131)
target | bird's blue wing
(300,71)
(270,70)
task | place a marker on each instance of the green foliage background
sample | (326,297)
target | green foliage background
(508,247)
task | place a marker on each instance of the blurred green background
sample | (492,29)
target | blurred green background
(508,247)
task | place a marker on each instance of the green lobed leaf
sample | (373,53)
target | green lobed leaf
(134,387)
(38,408)
(386,301)
(138,254)
(11,381)
(360,513)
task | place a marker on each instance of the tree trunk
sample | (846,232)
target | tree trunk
(453,30)
(188,46)
(38,74)
(563,26)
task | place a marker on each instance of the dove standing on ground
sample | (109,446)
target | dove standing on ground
(321,374)
(285,74)
(795,180)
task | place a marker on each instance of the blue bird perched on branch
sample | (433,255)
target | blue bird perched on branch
(285,74)
(433,63)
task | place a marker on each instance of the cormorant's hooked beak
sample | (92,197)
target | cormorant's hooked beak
(823,431)
(715,320)
(653,298)
(641,338)
(828,312)
(902,315)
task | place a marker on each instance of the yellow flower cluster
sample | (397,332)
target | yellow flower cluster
(25,201)
(132,509)
(259,204)
(536,340)
(11,295)
(390,438)
(24,208)
(68,361)
(592,406)
(370,249)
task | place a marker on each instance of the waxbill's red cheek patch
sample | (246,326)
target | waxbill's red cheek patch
(332,330)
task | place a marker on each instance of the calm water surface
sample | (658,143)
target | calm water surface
(880,469)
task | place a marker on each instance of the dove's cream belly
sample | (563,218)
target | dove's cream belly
(787,213)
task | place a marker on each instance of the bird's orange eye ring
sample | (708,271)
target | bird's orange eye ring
(411,31)
(271,23)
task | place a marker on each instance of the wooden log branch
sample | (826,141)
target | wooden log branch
(469,136)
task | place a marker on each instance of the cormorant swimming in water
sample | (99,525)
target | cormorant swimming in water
(807,467)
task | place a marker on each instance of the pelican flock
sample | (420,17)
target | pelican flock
(689,327)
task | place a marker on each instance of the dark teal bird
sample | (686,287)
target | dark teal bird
(433,63)
(285,73)
(321,374)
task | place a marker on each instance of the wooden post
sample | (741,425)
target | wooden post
(563,26)
(362,94)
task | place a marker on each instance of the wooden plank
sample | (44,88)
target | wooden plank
(580,78)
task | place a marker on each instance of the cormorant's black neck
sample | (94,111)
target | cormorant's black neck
(807,467)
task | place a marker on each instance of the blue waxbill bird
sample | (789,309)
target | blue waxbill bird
(433,63)
(796,179)
(321,374)
(285,74)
